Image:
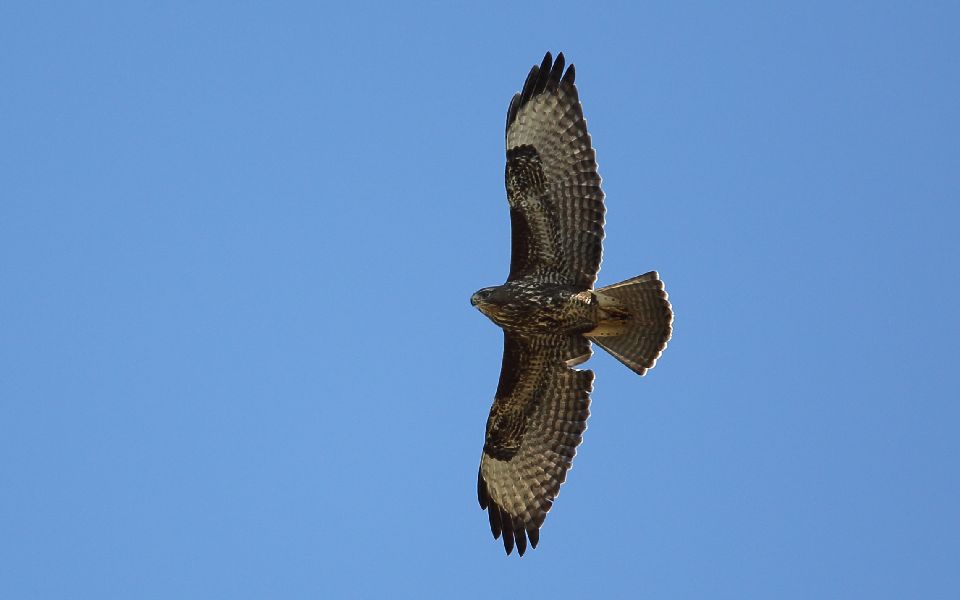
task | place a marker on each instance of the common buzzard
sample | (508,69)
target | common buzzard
(549,310)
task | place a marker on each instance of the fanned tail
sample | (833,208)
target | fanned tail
(636,321)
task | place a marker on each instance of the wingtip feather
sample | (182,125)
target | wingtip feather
(543,74)
(549,74)
(556,73)
(520,537)
(482,496)
(507,537)
(534,534)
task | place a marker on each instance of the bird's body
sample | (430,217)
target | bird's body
(534,307)
(549,310)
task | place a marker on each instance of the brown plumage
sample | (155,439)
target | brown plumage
(548,309)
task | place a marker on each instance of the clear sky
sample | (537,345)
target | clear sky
(237,246)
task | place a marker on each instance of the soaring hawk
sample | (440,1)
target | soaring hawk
(549,310)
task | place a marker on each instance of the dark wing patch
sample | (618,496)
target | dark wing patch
(553,187)
(534,222)
(535,425)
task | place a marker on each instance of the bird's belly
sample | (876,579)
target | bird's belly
(564,312)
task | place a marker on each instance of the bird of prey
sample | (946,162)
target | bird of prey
(549,310)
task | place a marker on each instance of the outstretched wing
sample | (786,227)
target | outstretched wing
(535,425)
(556,204)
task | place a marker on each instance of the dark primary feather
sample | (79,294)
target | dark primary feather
(556,73)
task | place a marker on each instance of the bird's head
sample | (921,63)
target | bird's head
(481,297)
(486,301)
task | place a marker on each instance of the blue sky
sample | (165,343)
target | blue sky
(237,246)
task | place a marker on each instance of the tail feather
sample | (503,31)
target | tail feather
(636,321)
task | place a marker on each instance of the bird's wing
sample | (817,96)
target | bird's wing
(535,425)
(556,204)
